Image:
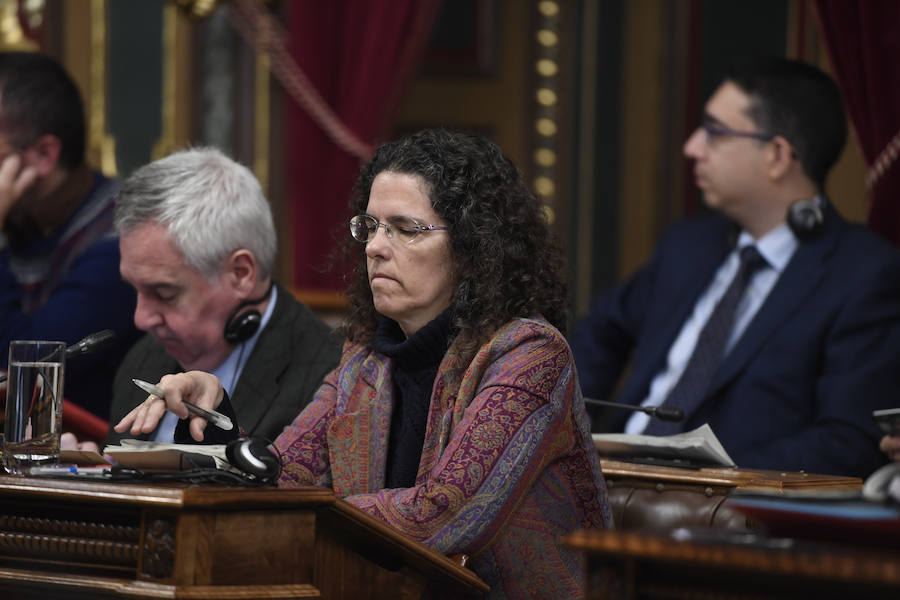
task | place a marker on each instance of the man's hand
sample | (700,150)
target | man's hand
(202,389)
(15,178)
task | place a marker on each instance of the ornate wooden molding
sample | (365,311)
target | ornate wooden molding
(106,531)
(23,536)
(159,548)
(76,549)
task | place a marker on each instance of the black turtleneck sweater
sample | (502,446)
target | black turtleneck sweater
(416,361)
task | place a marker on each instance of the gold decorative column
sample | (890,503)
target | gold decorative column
(262,117)
(101,147)
(176,74)
(546,65)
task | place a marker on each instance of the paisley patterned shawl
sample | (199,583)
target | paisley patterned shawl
(507,465)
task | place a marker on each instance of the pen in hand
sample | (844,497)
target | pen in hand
(216,418)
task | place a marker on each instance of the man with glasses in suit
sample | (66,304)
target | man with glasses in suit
(771,318)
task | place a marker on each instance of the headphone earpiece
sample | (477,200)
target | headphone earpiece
(241,327)
(805,218)
(252,456)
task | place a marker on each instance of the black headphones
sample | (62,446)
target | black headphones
(241,327)
(253,457)
(805,218)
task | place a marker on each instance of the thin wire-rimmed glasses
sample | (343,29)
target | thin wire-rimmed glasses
(364,227)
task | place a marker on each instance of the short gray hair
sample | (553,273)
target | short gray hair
(210,204)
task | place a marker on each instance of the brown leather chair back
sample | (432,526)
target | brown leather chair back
(659,507)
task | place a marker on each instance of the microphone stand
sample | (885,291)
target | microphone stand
(664,413)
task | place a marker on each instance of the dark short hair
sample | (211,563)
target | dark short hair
(507,260)
(798,102)
(38,97)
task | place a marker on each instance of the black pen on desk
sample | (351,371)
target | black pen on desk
(216,418)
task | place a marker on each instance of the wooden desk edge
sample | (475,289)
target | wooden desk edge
(829,562)
(147,589)
(175,495)
(729,476)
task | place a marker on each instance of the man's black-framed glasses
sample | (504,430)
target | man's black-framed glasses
(715,130)
(364,227)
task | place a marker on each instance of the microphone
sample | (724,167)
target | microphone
(91,342)
(86,345)
(664,413)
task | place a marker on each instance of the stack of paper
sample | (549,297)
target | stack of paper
(162,456)
(700,446)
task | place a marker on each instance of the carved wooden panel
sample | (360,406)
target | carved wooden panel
(30,532)
(158,558)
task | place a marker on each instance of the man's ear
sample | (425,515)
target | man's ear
(241,270)
(780,157)
(43,154)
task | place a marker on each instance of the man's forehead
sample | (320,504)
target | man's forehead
(727,103)
(149,258)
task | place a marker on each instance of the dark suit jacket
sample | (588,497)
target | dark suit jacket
(293,354)
(798,389)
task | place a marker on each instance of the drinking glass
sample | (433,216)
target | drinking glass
(33,404)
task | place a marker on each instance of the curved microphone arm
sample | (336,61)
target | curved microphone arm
(86,345)
(664,413)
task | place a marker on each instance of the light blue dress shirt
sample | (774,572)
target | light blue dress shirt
(229,372)
(777,247)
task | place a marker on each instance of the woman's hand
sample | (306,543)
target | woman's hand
(890,445)
(196,387)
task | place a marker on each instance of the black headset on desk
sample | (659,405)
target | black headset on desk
(241,327)
(253,457)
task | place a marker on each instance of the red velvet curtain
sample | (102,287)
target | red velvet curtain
(359,55)
(863,41)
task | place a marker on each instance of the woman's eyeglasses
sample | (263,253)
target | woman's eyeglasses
(364,227)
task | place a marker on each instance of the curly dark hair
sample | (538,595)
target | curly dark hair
(508,262)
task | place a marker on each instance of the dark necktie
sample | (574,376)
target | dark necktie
(691,388)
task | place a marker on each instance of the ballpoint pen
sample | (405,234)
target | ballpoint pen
(216,418)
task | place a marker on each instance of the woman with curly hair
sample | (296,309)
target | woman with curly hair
(455,414)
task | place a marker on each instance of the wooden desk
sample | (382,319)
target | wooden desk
(640,565)
(74,539)
(725,478)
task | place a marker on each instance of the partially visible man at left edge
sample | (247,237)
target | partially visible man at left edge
(59,257)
